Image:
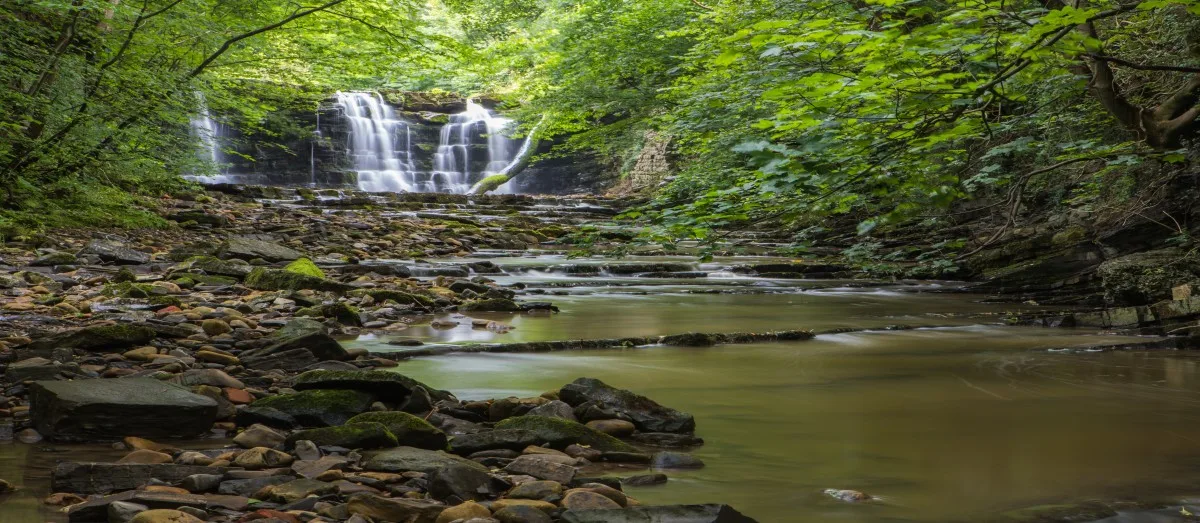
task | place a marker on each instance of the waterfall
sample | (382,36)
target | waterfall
(382,155)
(209,134)
(381,146)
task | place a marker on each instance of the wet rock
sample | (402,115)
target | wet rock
(512,439)
(100,478)
(209,265)
(360,435)
(464,511)
(522,514)
(587,500)
(124,511)
(666,439)
(54,258)
(249,249)
(392,509)
(145,456)
(541,467)
(612,427)
(248,487)
(560,432)
(215,327)
(39,369)
(259,458)
(658,514)
(259,435)
(210,377)
(113,252)
(449,475)
(198,483)
(165,516)
(536,490)
(287,347)
(298,489)
(264,279)
(409,430)
(554,409)
(114,408)
(675,460)
(97,338)
(490,305)
(312,408)
(645,413)
(391,387)
(849,496)
(644,480)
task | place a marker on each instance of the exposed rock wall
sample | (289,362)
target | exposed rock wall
(653,163)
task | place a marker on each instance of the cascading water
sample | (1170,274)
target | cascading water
(210,133)
(381,146)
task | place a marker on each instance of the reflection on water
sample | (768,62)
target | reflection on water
(956,424)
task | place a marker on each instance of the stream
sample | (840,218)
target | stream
(958,419)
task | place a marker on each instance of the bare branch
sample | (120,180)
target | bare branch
(230,42)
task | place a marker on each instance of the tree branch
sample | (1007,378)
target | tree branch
(1141,67)
(230,42)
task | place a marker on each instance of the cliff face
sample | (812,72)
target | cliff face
(311,147)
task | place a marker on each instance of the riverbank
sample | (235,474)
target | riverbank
(279,327)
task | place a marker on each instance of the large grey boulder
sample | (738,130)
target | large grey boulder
(100,409)
(114,252)
(250,248)
(391,387)
(645,413)
(310,408)
(450,476)
(300,343)
(658,514)
(114,337)
(101,478)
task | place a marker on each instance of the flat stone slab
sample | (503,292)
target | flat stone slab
(102,478)
(102,409)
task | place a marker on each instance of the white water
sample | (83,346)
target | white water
(381,145)
(209,134)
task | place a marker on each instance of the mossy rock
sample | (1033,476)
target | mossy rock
(306,267)
(55,258)
(490,305)
(390,387)
(264,279)
(128,290)
(352,435)
(124,276)
(562,432)
(340,312)
(313,408)
(409,430)
(490,183)
(211,265)
(1147,277)
(101,337)
(403,298)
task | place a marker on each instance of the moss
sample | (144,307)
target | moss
(264,279)
(306,267)
(410,430)
(124,275)
(343,313)
(490,305)
(562,432)
(490,183)
(1071,235)
(165,301)
(352,435)
(401,297)
(128,290)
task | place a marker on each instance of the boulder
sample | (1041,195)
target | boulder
(658,514)
(536,490)
(115,337)
(646,414)
(490,305)
(249,486)
(250,248)
(259,458)
(675,460)
(560,432)
(310,408)
(409,430)
(101,478)
(264,279)
(390,387)
(449,475)
(213,266)
(287,347)
(165,516)
(582,499)
(522,514)
(360,435)
(554,409)
(378,508)
(512,439)
(113,252)
(542,467)
(115,408)
(298,489)
(464,511)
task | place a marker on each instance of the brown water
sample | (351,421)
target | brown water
(956,423)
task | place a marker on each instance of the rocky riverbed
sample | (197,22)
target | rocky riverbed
(227,327)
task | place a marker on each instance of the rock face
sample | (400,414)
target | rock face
(658,514)
(644,412)
(115,408)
